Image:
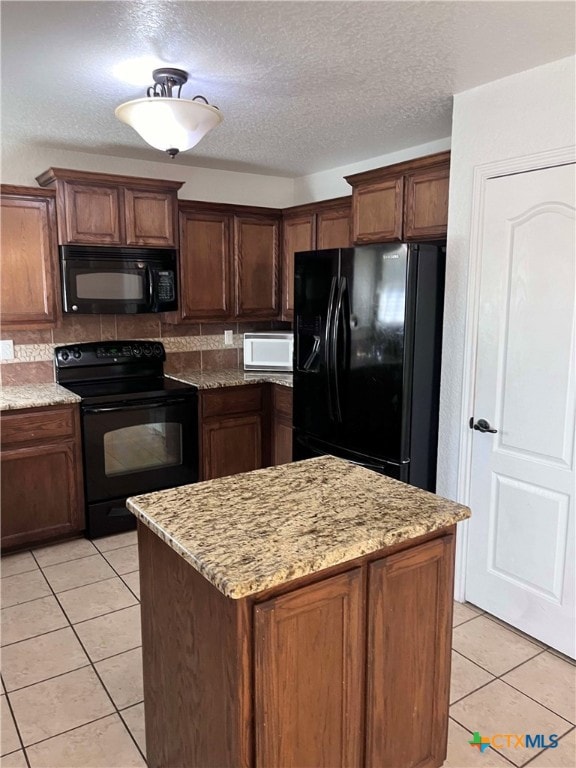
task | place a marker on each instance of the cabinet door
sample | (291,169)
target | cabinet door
(91,214)
(231,445)
(408,665)
(299,235)
(426,206)
(333,228)
(256,266)
(29,290)
(41,496)
(377,211)
(281,441)
(309,675)
(204,266)
(282,425)
(150,218)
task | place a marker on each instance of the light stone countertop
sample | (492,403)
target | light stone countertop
(248,532)
(35,396)
(231,377)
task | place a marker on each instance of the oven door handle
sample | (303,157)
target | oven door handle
(135,407)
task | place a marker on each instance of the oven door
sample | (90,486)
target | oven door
(142,446)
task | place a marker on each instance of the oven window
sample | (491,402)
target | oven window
(142,447)
(111,285)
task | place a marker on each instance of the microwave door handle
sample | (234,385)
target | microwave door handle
(150,276)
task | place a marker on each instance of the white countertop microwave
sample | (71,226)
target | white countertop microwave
(268,351)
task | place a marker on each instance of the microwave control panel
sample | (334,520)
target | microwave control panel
(165,285)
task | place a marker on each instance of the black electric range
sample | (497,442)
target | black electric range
(139,427)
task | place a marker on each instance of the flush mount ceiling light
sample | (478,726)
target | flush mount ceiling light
(168,122)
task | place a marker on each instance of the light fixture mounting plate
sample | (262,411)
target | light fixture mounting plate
(178,76)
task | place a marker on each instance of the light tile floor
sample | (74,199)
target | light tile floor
(72,669)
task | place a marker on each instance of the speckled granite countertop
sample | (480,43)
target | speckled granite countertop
(35,396)
(248,532)
(231,377)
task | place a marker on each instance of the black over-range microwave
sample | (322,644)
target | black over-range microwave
(110,280)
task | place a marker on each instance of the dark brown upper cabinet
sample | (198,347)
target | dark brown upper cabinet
(308,227)
(29,286)
(256,266)
(405,201)
(229,262)
(105,209)
(204,266)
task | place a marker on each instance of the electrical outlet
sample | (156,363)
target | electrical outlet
(7,350)
(228,338)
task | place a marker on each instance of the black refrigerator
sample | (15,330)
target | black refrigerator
(368,336)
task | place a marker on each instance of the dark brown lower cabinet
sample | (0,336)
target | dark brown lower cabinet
(345,668)
(409,632)
(231,445)
(42,496)
(244,428)
(309,662)
(232,433)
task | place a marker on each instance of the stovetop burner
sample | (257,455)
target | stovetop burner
(110,371)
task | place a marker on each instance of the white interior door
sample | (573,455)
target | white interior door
(520,563)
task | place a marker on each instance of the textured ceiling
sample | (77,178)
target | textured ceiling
(303,86)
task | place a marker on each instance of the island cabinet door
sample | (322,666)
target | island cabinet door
(309,674)
(408,665)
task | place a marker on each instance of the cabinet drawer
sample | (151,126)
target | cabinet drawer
(24,427)
(221,402)
(282,401)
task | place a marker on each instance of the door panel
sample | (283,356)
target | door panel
(256,261)
(309,676)
(29,252)
(299,235)
(204,266)
(408,684)
(522,489)
(231,445)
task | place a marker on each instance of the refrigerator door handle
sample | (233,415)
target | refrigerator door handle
(342,287)
(328,350)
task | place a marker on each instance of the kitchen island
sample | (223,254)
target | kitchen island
(296,616)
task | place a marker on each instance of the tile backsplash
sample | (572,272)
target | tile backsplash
(197,346)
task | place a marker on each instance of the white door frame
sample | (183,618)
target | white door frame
(482,173)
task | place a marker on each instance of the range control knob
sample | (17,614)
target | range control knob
(136,350)
(76,354)
(147,350)
(158,350)
(64,355)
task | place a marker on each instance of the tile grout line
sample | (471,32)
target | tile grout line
(544,750)
(500,678)
(92,665)
(545,706)
(98,581)
(494,751)
(16,726)
(510,628)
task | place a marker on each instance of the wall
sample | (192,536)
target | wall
(328,184)
(22,163)
(195,347)
(527,113)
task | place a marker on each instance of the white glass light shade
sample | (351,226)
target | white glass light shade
(169,123)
